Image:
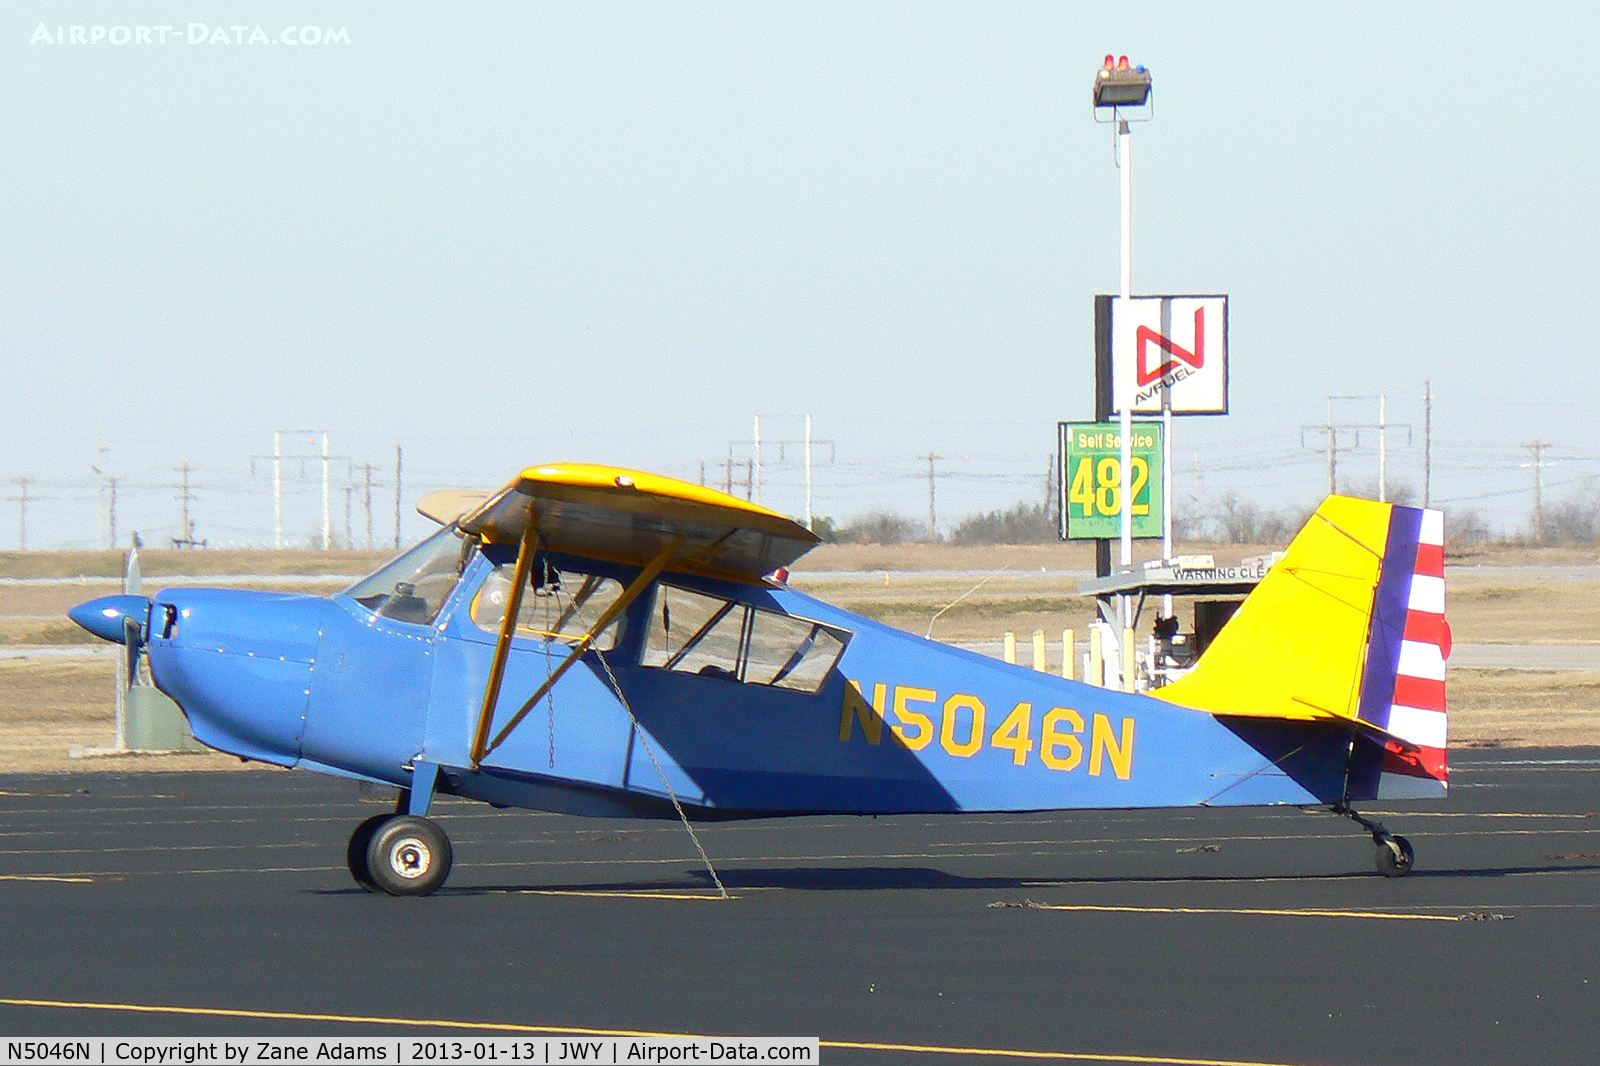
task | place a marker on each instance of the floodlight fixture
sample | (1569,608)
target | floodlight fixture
(1117,85)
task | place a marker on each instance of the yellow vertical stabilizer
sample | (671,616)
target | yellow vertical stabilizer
(1296,648)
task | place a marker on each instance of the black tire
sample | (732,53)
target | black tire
(1391,865)
(408,856)
(355,853)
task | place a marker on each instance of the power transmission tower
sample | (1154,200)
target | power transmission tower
(278,456)
(760,448)
(1537,449)
(21,497)
(112,484)
(1330,431)
(933,513)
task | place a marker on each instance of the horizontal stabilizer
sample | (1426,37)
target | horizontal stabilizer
(444,506)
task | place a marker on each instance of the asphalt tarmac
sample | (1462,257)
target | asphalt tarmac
(178,904)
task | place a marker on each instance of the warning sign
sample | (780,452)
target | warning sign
(1167,351)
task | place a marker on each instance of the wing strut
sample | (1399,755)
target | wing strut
(480,751)
(508,625)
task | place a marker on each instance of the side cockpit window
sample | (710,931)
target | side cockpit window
(413,587)
(694,633)
(557,605)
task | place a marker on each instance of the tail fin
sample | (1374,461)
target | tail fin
(1349,625)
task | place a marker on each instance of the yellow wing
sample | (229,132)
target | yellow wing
(629,516)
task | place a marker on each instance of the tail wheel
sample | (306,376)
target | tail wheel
(1394,857)
(408,856)
(355,853)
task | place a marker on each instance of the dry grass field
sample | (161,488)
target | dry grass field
(49,705)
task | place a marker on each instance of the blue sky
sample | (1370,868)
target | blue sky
(518,233)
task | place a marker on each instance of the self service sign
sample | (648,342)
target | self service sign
(1091,479)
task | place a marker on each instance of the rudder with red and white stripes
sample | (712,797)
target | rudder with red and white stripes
(1403,685)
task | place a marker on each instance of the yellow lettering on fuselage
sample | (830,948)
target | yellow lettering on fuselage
(1054,738)
(903,695)
(856,709)
(1120,753)
(947,728)
(962,732)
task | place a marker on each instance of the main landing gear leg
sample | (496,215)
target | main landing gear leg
(1393,856)
(405,853)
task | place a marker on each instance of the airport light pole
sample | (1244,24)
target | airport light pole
(1117,86)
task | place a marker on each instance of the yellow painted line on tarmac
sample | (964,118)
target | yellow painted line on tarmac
(1298,913)
(1469,814)
(604,894)
(514,1027)
(47,877)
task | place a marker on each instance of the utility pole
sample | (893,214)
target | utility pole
(277,489)
(99,469)
(749,478)
(185,497)
(1333,452)
(1383,448)
(22,509)
(1537,448)
(397,497)
(808,471)
(1427,442)
(933,514)
(702,473)
(112,482)
(367,469)
(757,497)
(327,510)
(349,534)
(728,484)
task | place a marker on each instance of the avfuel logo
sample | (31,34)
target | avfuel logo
(1172,352)
(1153,360)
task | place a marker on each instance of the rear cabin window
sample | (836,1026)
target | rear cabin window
(556,606)
(693,633)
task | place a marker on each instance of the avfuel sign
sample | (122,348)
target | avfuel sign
(1091,480)
(1163,351)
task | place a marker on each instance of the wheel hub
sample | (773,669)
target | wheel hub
(410,858)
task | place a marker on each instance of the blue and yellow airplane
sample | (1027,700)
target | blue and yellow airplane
(609,642)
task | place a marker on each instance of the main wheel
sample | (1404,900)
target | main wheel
(408,856)
(355,853)
(1393,857)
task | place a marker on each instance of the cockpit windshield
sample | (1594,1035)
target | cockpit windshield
(414,586)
